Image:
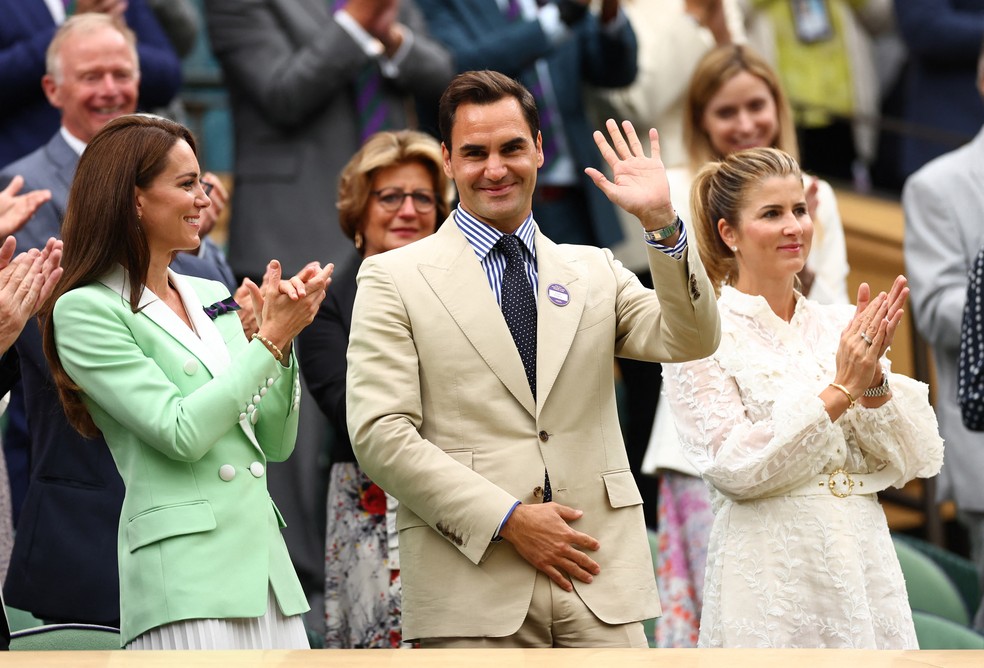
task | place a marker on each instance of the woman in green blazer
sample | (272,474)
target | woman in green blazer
(192,410)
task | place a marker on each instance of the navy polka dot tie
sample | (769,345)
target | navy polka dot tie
(519,304)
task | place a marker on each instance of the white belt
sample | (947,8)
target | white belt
(842,484)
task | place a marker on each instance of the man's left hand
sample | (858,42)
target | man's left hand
(639,183)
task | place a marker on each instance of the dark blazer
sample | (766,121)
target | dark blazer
(26,118)
(321,348)
(63,566)
(944,41)
(289,68)
(479,37)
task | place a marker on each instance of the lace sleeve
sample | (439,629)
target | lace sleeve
(903,432)
(749,443)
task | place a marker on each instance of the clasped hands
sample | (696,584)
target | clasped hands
(283,307)
(868,336)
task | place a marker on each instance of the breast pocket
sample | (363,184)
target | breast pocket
(168,521)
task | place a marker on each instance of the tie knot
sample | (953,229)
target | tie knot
(509,245)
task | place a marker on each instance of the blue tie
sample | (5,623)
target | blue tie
(519,304)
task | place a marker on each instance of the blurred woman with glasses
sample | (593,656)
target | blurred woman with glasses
(391,193)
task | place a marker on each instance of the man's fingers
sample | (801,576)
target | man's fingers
(13,187)
(606,150)
(618,141)
(558,578)
(633,139)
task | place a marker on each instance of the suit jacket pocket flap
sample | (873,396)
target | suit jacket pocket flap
(159,523)
(622,488)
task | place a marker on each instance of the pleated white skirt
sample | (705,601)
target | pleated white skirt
(271,631)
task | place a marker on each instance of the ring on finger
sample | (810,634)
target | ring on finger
(867,339)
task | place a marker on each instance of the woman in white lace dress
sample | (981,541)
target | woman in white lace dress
(795,422)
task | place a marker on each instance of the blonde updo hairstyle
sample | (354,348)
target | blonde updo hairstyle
(720,190)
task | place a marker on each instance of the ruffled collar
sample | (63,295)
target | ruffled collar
(756,307)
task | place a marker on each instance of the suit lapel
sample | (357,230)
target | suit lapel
(556,325)
(456,277)
(64,160)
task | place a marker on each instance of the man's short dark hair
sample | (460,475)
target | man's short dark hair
(483,87)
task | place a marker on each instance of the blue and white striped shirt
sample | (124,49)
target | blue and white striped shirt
(483,237)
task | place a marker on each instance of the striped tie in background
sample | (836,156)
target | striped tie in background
(370,102)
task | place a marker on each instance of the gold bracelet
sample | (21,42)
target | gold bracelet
(850,397)
(277,355)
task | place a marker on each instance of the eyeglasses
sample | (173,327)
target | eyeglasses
(207,187)
(391,199)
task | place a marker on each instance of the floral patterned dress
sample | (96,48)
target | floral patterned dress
(787,570)
(362,564)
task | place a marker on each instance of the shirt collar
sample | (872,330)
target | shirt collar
(74,142)
(482,237)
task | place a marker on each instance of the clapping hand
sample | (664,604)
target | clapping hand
(26,281)
(869,334)
(638,182)
(15,210)
(283,307)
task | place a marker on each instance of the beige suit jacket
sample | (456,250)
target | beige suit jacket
(441,416)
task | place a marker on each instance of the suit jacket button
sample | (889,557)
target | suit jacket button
(190,367)
(537,492)
(543,436)
(227,472)
(256,469)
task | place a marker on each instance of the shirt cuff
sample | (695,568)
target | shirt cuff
(496,537)
(371,46)
(676,251)
(555,29)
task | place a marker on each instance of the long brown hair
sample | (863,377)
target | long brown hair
(101,228)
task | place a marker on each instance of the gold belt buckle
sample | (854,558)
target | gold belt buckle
(840,478)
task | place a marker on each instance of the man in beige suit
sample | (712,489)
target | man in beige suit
(520,523)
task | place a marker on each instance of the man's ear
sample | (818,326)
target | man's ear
(446,154)
(51,91)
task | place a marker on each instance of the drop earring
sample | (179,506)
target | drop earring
(358,240)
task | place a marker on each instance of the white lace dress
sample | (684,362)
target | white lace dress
(796,571)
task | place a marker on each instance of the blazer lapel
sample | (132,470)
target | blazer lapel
(457,279)
(64,159)
(556,324)
(214,357)
(209,346)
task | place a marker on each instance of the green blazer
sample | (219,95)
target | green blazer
(191,422)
